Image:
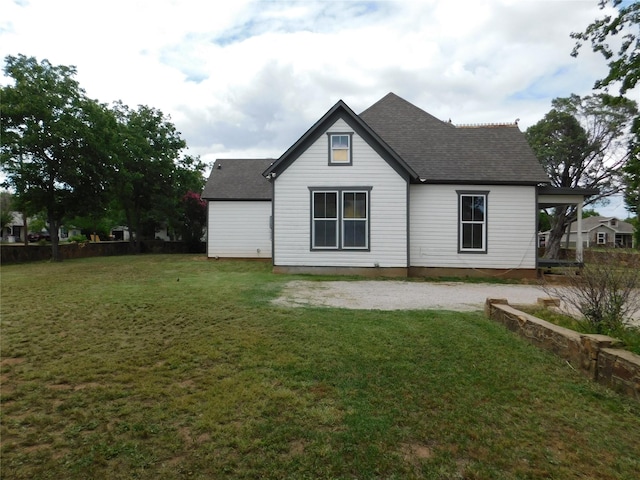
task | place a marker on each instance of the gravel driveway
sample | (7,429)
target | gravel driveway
(402,295)
(399,295)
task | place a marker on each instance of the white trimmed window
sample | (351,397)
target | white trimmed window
(602,238)
(472,208)
(340,219)
(355,221)
(325,219)
(340,149)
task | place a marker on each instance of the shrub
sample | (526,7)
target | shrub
(78,238)
(605,291)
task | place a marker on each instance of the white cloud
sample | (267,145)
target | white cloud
(248,78)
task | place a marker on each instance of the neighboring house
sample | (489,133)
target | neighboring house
(14,231)
(598,231)
(391,191)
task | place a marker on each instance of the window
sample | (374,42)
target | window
(472,207)
(325,220)
(340,149)
(602,238)
(354,219)
(340,219)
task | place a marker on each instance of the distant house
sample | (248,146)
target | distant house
(598,231)
(14,231)
(391,191)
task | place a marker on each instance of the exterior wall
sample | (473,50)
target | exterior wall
(387,208)
(511,227)
(239,229)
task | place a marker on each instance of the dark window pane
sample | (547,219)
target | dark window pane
(355,233)
(478,209)
(472,208)
(324,233)
(472,235)
(325,205)
(467,210)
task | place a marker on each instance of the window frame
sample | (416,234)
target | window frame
(340,226)
(484,222)
(325,219)
(349,148)
(603,236)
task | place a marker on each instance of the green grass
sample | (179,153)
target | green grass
(176,367)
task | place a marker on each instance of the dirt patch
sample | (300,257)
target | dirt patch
(11,361)
(399,295)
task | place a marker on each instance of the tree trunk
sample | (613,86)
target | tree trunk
(558,225)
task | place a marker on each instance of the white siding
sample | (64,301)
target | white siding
(388,207)
(239,229)
(511,223)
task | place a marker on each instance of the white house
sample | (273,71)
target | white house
(392,191)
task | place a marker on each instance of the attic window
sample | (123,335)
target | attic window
(340,149)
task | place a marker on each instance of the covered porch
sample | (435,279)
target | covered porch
(549,197)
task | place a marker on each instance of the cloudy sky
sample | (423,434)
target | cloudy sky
(246,78)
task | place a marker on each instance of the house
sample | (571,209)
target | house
(598,231)
(391,191)
(14,231)
(239,202)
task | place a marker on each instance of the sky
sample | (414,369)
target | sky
(245,79)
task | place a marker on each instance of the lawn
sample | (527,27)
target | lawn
(177,367)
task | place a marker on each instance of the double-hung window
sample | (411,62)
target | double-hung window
(339,149)
(472,208)
(340,219)
(355,220)
(325,219)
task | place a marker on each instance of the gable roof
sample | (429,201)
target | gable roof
(238,179)
(440,152)
(591,223)
(341,111)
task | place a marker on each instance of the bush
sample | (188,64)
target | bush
(605,291)
(78,238)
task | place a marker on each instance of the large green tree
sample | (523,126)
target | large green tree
(622,30)
(580,143)
(54,142)
(152,174)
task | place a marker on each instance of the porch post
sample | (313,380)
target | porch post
(579,256)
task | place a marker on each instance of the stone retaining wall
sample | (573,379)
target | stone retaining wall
(594,355)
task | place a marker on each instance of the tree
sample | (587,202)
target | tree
(149,146)
(194,220)
(52,142)
(624,64)
(624,67)
(632,175)
(579,145)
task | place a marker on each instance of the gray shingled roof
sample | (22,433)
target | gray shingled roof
(443,153)
(590,223)
(238,179)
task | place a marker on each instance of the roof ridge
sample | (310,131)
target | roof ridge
(487,125)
